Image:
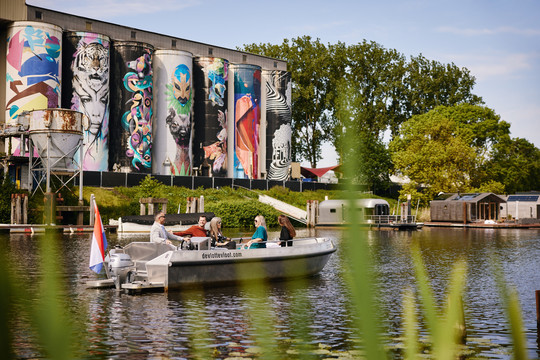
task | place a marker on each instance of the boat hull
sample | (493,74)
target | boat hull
(183,268)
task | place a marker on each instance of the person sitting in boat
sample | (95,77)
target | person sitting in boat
(218,239)
(159,234)
(259,238)
(287,231)
(198,230)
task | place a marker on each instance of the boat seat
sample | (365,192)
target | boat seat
(141,252)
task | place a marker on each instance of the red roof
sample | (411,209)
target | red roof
(316,172)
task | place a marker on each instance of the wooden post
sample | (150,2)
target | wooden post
(92,208)
(537,293)
(142,208)
(25,209)
(464,212)
(201,204)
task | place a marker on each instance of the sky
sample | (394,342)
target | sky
(498,41)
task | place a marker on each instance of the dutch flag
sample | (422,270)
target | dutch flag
(99,243)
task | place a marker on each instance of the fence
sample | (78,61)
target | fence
(114,179)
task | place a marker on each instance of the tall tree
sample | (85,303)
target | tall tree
(447,148)
(312,68)
(515,164)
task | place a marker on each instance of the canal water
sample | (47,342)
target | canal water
(308,316)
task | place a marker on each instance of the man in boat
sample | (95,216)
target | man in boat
(159,234)
(195,230)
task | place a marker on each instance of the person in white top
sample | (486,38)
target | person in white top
(159,234)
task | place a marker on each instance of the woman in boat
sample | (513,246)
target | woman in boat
(258,240)
(287,231)
(218,239)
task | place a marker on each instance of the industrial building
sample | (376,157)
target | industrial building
(151,103)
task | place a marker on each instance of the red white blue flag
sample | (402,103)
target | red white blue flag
(99,243)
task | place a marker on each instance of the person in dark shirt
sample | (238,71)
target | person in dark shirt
(287,231)
(195,230)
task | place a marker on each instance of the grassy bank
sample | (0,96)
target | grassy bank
(237,207)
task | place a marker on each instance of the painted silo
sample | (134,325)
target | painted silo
(278,124)
(173,125)
(210,77)
(33,70)
(247,116)
(86,72)
(130,125)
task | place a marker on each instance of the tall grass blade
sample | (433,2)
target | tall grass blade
(410,326)
(512,308)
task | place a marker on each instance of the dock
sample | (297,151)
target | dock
(42,228)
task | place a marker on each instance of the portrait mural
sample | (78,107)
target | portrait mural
(178,120)
(90,94)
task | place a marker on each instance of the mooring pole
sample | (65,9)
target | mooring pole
(537,293)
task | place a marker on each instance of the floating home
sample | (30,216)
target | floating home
(466,208)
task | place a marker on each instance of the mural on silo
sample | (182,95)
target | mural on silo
(247,116)
(130,129)
(88,92)
(173,112)
(278,128)
(33,70)
(210,150)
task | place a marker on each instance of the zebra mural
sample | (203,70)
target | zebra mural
(278,118)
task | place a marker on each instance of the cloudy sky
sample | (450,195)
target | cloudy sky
(498,41)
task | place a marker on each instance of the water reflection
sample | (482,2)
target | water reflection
(303,315)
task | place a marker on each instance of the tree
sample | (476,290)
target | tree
(312,66)
(448,148)
(515,164)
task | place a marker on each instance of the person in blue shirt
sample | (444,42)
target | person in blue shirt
(258,240)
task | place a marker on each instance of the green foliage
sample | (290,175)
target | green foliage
(447,149)
(515,164)
(239,213)
(150,187)
(6,189)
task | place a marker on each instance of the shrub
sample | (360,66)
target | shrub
(239,213)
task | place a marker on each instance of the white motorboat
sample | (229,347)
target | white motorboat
(145,265)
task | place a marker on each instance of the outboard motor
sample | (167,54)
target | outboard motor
(120,265)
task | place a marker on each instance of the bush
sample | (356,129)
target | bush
(239,213)
(6,189)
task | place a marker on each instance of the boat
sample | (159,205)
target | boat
(374,213)
(141,266)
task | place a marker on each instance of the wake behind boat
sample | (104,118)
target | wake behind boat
(145,265)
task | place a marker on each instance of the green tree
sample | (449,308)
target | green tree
(515,164)
(447,149)
(430,84)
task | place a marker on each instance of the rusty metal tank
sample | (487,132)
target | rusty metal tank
(57,135)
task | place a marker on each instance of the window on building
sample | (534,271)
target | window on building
(210,51)
(244,58)
(39,15)
(275,64)
(88,25)
(133,34)
(173,43)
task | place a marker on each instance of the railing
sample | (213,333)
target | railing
(390,219)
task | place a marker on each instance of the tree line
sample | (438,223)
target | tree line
(412,117)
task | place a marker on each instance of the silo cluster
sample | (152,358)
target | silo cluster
(159,111)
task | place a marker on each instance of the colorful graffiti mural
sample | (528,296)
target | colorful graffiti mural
(138,119)
(211,75)
(278,120)
(89,93)
(33,69)
(178,120)
(131,89)
(247,115)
